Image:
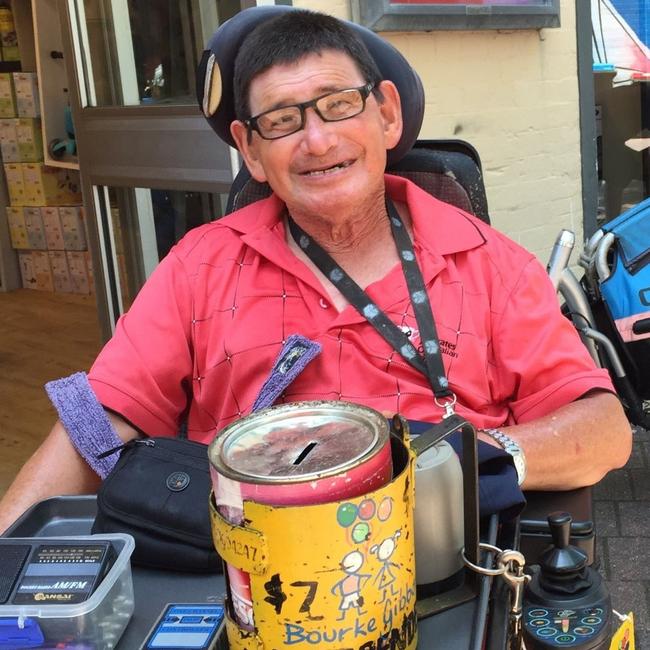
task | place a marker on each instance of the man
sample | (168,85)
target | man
(315,122)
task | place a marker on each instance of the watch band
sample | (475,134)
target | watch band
(512,448)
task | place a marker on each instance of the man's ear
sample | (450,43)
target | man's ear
(248,150)
(391,111)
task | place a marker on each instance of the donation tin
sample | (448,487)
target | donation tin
(297,454)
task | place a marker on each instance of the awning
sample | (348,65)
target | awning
(621,39)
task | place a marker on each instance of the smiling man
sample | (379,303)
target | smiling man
(414,304)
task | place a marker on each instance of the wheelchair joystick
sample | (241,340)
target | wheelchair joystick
(566,604)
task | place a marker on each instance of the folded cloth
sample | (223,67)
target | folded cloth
(498,488)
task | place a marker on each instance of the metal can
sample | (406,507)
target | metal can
(302,453)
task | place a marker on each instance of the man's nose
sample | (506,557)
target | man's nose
(318,135)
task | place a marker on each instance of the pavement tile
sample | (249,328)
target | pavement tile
(630,597)
(638,456)
(634,517)
(615,486)
(641,636)
(601,561)
(605,519)
(641,434)
(640,484)
(629,558)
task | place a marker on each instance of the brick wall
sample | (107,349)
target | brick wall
(514,96)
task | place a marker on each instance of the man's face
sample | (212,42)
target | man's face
(328,168)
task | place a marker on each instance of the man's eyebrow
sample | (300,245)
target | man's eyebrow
(322,90)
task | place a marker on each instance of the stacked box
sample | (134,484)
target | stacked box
(50,185)
(15,183)
(35,229)
(53,228)
(17,228)
(26,90)
(74,230)
(60,272)
(27,270)
(78,272)
(42,271)
(29,139)
(7,97)
(9,140)
(8,36)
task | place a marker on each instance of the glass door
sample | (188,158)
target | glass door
(151,167)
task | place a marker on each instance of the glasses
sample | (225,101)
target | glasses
(331,107)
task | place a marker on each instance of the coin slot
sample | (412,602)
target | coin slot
(304,453)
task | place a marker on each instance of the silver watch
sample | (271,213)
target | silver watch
(513,448)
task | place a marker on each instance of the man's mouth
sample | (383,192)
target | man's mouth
(328,170)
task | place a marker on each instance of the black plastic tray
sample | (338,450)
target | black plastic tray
(58,516)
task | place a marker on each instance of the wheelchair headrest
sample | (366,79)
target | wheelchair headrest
(216,71)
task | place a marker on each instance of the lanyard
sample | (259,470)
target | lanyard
(430,364)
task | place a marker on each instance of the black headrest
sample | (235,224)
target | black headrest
(216,71)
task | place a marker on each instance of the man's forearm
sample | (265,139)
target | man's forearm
(55,468)
(576,445)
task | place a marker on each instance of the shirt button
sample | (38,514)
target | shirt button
(323,304)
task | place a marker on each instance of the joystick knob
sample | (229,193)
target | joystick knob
(561,559)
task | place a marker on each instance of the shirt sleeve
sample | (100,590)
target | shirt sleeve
(541,361)
(144,372)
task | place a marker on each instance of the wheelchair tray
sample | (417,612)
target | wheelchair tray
(74,515)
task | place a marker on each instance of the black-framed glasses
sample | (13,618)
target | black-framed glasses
(331,107)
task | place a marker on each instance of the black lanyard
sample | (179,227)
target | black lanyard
(430,364)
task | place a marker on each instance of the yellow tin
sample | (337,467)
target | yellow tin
(334,575)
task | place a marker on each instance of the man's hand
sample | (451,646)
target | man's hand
(576,445)
(55,469)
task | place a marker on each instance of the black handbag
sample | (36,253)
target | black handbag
(158,492)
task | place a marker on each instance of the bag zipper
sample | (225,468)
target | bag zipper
(148,442)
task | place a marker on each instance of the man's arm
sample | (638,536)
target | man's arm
(56,468)
(576,445)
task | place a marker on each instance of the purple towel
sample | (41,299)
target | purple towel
(85,420)
(296,353)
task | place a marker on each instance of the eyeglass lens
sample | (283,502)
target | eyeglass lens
(336,106)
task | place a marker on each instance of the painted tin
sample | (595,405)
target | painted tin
(330,575)
(295,454)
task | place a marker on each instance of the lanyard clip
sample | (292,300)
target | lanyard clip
(448,405)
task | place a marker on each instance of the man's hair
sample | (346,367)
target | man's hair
(289,37)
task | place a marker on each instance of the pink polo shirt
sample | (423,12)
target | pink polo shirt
(204,332)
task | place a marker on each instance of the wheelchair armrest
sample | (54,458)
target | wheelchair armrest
(534,531)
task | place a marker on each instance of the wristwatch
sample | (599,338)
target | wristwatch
(511,447)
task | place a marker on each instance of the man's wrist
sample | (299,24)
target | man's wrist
(511,447)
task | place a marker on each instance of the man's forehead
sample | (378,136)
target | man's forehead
(329,68)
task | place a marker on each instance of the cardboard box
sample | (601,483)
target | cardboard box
(60,272)
(8,36)
(27,274)
(78,272)
(74,228)
(29,139)
(9,140)
(53,228)
(91,273)
(50,185)
(35,229)
(10,53)
(17,228)
(15,183)
(26,91)
(7,97)
(43,271)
